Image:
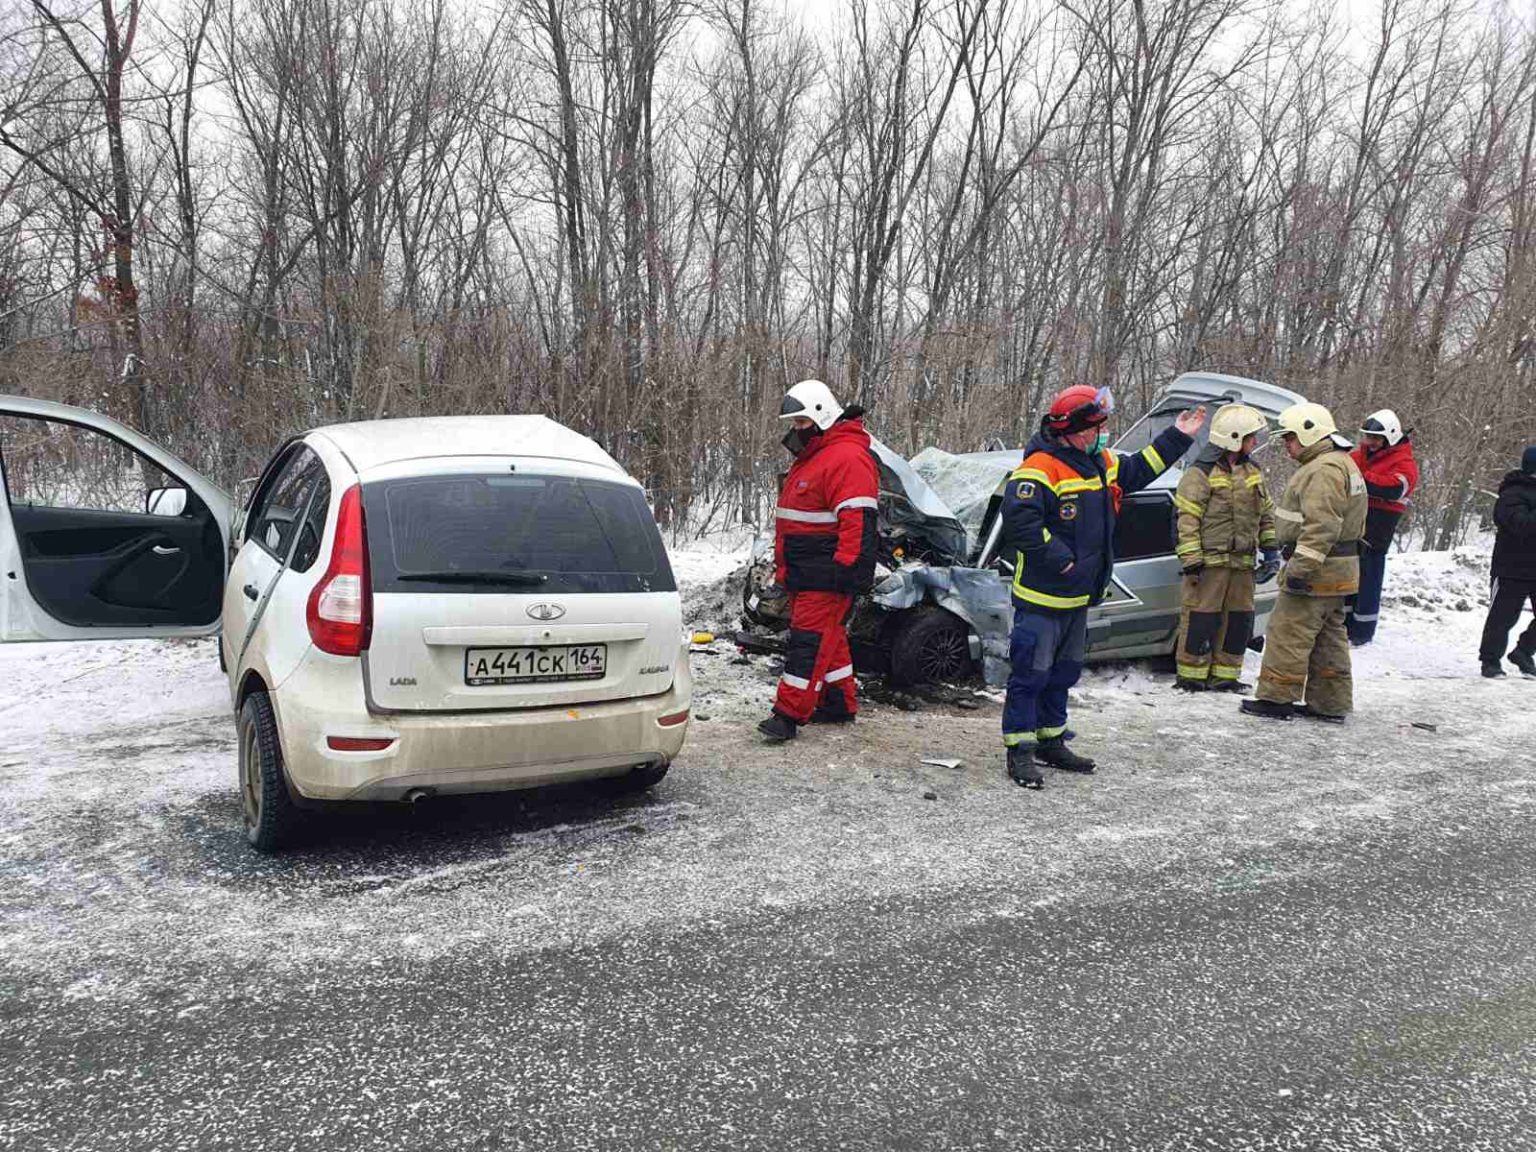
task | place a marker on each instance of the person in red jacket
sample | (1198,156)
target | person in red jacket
(1385,456)
(824,552)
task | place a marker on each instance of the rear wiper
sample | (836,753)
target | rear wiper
(477,576)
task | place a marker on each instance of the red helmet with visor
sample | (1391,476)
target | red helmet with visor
(1078,408)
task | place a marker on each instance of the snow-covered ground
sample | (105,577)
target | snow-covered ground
(119,824)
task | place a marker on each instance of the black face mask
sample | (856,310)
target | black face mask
(796,439)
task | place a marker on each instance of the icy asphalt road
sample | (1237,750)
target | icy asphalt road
(1236,936)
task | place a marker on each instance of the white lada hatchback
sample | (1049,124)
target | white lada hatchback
(412,607)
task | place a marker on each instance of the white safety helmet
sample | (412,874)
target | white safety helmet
(1384,424)
(1234,423)
(813,400)
(1309,423)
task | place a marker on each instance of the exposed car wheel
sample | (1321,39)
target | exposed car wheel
(638,779)
(267,811)
(930,646)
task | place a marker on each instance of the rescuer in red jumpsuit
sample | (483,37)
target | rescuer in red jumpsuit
(824,552)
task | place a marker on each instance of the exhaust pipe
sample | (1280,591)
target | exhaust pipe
(416,795)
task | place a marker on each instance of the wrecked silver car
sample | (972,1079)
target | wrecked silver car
(940,609)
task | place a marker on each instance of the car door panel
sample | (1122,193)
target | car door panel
(85,568)
(71,568)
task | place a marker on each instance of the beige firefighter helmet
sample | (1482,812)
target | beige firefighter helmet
(1234,423)
(813,400)
(1309,423)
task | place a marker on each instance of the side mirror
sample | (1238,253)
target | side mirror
(165,502)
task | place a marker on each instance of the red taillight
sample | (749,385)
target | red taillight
(358,743)
(340,610)
(674,719)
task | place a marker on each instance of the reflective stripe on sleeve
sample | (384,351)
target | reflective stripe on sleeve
(1255,480)
(1290,517)
(856,502)
(1310,553)
(1188,506)
(805,517)
(1150,455)
(1371,619)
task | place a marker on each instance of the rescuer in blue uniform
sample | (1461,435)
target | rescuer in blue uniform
(1059,513)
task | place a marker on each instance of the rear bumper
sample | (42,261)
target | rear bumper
(462,752)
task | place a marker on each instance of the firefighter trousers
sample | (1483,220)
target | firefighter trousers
(1215,624)
(818,666)
(1306,654)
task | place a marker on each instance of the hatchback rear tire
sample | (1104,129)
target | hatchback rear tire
(268,814)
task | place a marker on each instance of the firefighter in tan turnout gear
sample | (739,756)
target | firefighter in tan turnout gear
(1320,520)
(1225,518)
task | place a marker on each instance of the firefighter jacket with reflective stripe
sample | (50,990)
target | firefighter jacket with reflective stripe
(1225,514)
(1320,520)
(826,519)
(1059,509)
(1391,475)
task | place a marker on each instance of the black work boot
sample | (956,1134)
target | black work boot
(1241,687)
(1308,712)
(832,714)
(1022,769)
(1524,661)
(1188,684)
(1268,709)
(1492,670)
(778,728)
(1056,753)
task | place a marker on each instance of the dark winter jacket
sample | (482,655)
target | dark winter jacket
(827,514)
(1391,475)
(1514,548)
(1059,508)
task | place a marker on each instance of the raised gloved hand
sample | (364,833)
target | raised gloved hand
(1268,566)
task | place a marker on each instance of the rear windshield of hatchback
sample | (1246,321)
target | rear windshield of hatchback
(546,533)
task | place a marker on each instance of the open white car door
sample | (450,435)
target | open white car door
(103,534)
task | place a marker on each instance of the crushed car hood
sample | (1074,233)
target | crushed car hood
(909,506)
